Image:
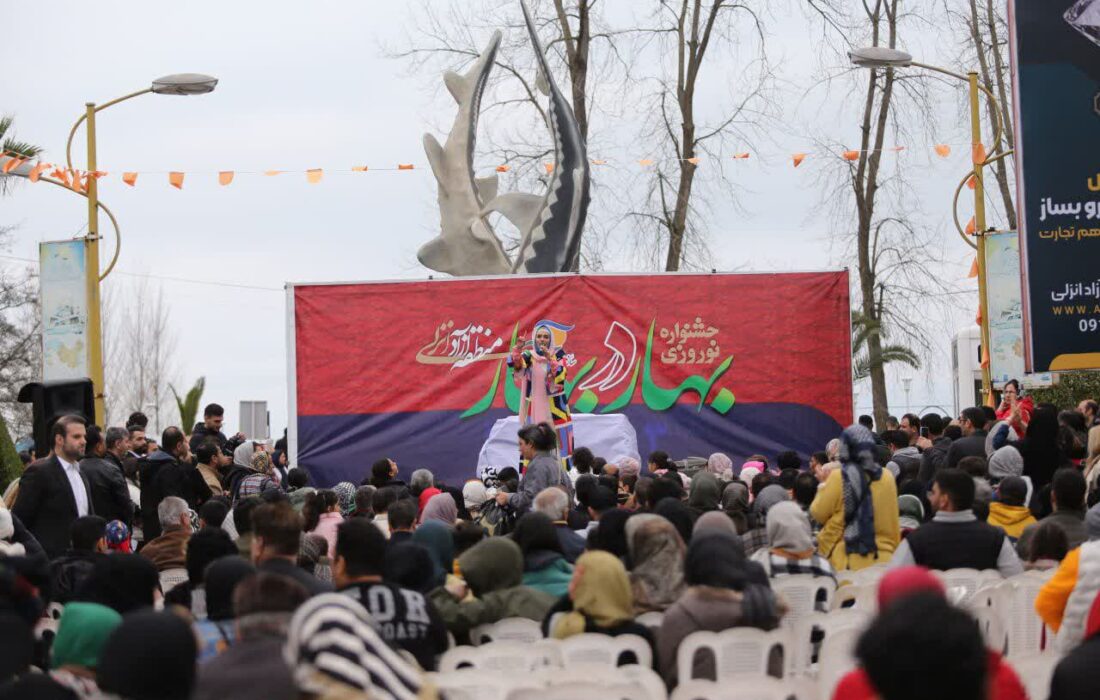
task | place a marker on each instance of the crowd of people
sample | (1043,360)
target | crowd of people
(205,566)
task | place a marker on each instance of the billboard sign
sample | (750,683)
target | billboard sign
(63,297)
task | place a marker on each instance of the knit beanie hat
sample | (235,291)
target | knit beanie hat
(81,634)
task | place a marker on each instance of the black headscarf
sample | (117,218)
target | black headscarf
(222,577)
(411,566)
(1039,448)
(123,582)
(610,533)
(150,656)
(679,515)
(716,560)
(535,532)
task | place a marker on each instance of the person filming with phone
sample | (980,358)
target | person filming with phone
(1015,408)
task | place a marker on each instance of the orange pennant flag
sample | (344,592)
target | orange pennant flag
(943,150)
(78,183)
(850,155)
(973,268)
(314,175)
(898,149)
(225,177)
(985,357)
(98,174)
(798,158)
(62,175)
(503,168)
(36,171)
(405,166)
(599,162)
(970,229)
(645,162)
(978,153)
(359,169)
(693,161)
(740,156)
(549,167)
(272,173)
(13,163)
(175,179)
(972,182)
(129,178)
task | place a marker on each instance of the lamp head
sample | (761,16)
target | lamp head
(879,57)
(185,84)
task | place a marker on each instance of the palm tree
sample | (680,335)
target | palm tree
(189,404)
(10,146)
(863,328)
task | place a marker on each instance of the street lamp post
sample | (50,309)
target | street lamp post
(881,57)
(178,84)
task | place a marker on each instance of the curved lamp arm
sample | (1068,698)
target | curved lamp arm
(110,215)
(958,191)
(105,105)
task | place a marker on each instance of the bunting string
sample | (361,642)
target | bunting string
(77,180)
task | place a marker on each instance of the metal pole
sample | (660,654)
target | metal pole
(979,231)
(91,274)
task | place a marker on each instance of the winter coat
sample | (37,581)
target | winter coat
(326,527)
(906,460)
(1078,674)
(548,572)
(828,509)
(1011,519)
(543,471)
(1072,523)
(1065,599)
(169,551)
(934,459)
(493,569)
(249,670)
(700,608)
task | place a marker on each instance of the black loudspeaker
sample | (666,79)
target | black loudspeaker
(51,400)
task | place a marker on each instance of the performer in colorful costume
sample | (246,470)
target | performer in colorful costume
(539,368)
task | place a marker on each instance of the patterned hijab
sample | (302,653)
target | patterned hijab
(858,471)
(345,493)
(657,578)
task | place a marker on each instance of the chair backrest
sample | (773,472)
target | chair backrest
(170,578)
(993,628)
(855,596)
(967,579)
(739,688)
(1026,631)
(802,592)
(1035,672)
(510,629)
(580,690)
(837,657)
(472,684)
(644,682)
(737,651)
(590,648)
(494,656)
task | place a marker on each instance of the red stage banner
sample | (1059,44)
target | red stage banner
(747,358)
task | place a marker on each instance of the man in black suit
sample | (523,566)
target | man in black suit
(110,495)
(53,492)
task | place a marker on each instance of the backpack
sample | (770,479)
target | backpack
(496,519)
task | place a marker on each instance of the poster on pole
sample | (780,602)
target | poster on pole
(1005,303)
(692,364)
(1056,85)
(63,296)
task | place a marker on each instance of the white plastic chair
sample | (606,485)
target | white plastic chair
(993,628)
(643,682)
(967,579)
(743,688)
(741,650)
(1035,672)
(170,578)
(868,576)
(856,597)
(823,626)
(1026,631)
(494,656)
(579,690)
(472,684)
(510,629)
(837,657)
(590,648)
(801,594)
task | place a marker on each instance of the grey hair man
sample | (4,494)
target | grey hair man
(554,503)
(420,481)
(169,550)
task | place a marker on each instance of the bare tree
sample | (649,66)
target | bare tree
(140,354)
(698,33)
(985,49)
(20,337)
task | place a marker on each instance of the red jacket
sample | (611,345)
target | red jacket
(1004,683)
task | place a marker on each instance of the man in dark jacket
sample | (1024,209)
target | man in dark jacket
(1067,498)
(972,444)
(955,538)
(211,427)
(276,541)
(110,496)
(933,446)
(69,571)
(168,472)
(53,492)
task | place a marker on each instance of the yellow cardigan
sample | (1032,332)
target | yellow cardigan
(828,510)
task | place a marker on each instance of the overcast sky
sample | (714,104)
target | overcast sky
(305,85)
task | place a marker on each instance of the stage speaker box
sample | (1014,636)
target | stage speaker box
(51,400)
